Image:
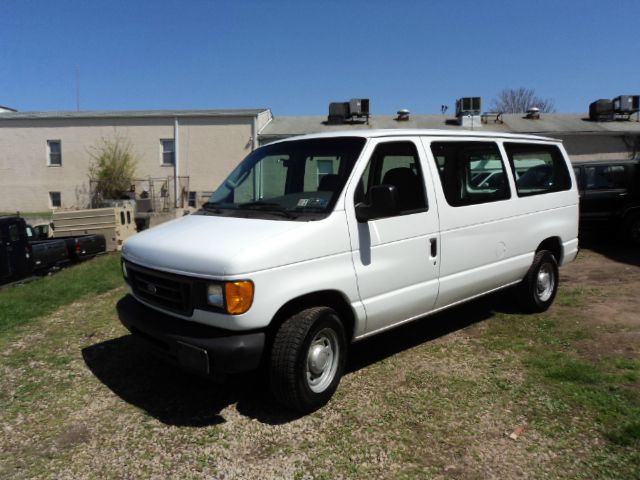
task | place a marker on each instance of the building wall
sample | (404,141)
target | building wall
(585,147)
(209,148)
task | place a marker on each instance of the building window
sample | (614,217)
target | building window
(192,199)
(55,199)
(54,153)
(168,152)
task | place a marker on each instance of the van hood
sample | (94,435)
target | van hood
(213,246)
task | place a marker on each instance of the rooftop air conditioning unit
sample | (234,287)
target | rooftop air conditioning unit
(468,106)
(359,107)
(338,113)
(601,110)
(626,104)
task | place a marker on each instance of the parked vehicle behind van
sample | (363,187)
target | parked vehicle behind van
(316,242)
(610,196)
(15,254)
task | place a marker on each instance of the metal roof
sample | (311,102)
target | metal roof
(281,127)
(132,114)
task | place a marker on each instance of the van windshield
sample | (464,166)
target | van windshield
(291,179)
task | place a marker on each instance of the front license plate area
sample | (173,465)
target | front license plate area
(193,358)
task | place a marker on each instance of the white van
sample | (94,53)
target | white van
(318,241)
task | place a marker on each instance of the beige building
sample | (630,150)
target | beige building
(45,157)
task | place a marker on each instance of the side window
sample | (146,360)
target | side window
(604,177)
(471,172)
(128,217)
(274,175)
(168,152)
(55,199)
(121,218)
(577,171)
(14,234)
(397,164)
(54,153)
(537,168)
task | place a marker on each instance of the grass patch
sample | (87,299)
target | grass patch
(601,393)
(23,303)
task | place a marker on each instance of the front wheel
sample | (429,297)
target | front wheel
(539,286)
(307,359)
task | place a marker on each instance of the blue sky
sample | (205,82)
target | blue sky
(297,56)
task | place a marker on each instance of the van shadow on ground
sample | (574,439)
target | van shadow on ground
(175,397)
(612,247)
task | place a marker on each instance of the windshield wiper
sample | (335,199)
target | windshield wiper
(258,203)
(211,207)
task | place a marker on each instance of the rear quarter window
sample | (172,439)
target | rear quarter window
(537,169)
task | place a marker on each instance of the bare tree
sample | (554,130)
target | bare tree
(519,100)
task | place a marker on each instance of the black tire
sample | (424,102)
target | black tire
(540,285)
(307,359)
(632,229)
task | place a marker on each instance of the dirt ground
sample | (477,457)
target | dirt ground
(614,271)
(435,399)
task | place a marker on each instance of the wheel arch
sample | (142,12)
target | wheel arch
(324,298)
(554,245)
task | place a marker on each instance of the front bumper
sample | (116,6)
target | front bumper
(199,348)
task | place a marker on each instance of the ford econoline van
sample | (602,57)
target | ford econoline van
(318,241)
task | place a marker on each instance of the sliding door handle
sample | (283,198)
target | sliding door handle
(434,247)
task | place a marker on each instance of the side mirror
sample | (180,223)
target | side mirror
(383,203)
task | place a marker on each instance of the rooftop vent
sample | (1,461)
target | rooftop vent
(403,115)
(340,112)
(533,113)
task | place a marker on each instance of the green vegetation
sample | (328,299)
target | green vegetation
(25,302)
(114,166)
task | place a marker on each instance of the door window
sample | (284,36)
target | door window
(397,164)
(604,177)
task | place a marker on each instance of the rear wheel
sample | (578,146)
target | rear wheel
(307,359)
(539,286)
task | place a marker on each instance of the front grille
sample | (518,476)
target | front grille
(165,290)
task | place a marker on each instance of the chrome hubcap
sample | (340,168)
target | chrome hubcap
(322,360)
(545,282)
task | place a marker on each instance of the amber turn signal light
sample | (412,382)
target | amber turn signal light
(238,296)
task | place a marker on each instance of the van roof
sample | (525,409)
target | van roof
(377,133)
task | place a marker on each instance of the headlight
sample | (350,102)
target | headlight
(233,297)
(215,296)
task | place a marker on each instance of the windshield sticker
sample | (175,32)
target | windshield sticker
(312,202)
